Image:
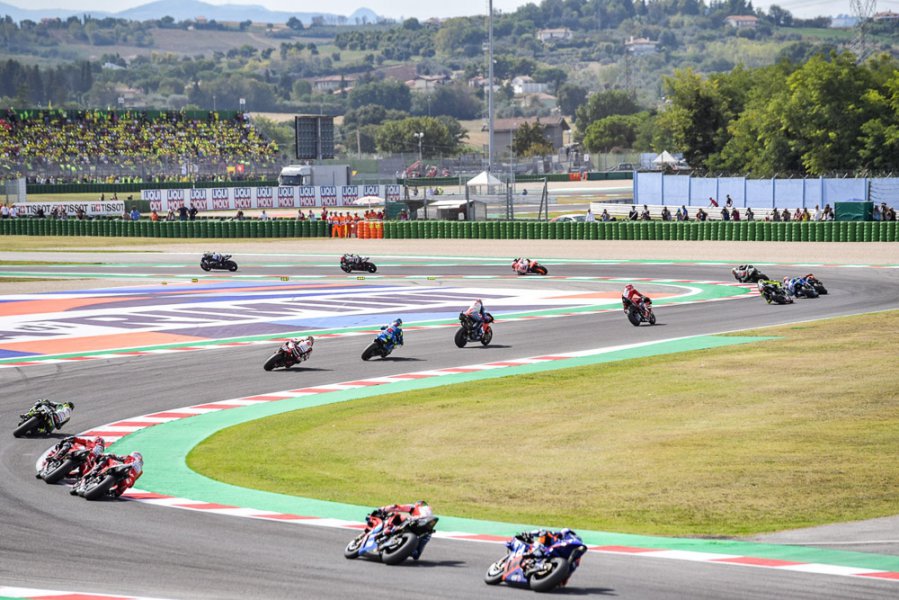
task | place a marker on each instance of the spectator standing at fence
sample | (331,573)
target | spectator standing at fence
(877,215)
(725,216)
(750,216)
(797,214)
(775,216)
(701,215)
(685,215)
(805,215)
(605,215)
(632,215)
(154,216)
(182,213)
(729,203)
(264,216)
(735,215)
(645,216)
(785,215)
(589,218)
(311,215)
(817,216)
(135,214)
(4,211)
(300,215)
(666,214)
(13,212)
(192,213)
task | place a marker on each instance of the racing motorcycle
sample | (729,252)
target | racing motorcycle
(747,274)
(800,287)
(534,268)
(773,291)
(641,312)
(38,420)
(351,262)
(472,331)
(222,262)
(816,283)
(541,573)
(382,345)
(108,478)
(67,458)
(392,543)
(284,357)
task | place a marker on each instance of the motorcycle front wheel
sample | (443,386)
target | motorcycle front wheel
(26,427)
(461,338)
(634,317)
(541,270)
(495,572)
(548,579)
(231,265)
(59,472)
(370,351)
(372,268)
(204,265)
(352,549)
(652,318)
(273,362)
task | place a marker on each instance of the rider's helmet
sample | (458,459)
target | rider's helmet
(544,538)
(421,509)
(786,279)
(71,405)
(138,458)
(398,322)
(310,340)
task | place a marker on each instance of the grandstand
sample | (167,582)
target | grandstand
(119,146)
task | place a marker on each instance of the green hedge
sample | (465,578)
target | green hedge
(840,231)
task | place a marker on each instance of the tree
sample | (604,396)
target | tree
(454,100)
(605,104)
(401,137)
(616,131)
(295,24)
(570,98)
(390,94)
(554,76)
(531,140)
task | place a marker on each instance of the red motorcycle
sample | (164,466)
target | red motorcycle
(68,457)
(640,312)
(110,477)
(284,357)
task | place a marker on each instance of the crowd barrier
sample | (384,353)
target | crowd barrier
(758,231)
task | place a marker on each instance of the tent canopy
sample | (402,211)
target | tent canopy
(368,201)
(484,178)
(664,159)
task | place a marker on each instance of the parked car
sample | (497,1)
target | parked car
(625,167)
(572,218)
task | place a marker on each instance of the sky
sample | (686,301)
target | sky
(415,8)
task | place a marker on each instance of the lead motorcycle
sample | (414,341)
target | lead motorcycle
(533,268)
(38,420)
(816,283)
(108,479)
(219,262)
(67,458)
(641,312)
(392,542)
(284,357)
(472,331)
(541,572)
(353,262)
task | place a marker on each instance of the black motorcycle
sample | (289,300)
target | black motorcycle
(351,262)
(472,331)
(641,312)
(38,420)
(392,543)
(284,357)
(816,284)
(774,292)
(747,274)
(221,262)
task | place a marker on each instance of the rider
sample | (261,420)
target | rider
(630,295)
(539,540)
(394,514)
(96,447)
(395,331)
(61,412)
(790,284)
(477,313)
(521,265)
(135,459)
(745,271)
(301,348)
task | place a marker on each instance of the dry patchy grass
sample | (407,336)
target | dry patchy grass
(753,438)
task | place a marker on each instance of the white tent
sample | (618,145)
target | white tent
(368,201)
(664,159)
(484,178)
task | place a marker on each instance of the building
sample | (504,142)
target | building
(742,21)
(504,130)
(887,17)
(640,46)
(525,84)
(426,83)
(332,83)
(554,35)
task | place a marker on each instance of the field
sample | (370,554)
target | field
(755,438)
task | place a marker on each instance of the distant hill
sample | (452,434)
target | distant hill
(182,10)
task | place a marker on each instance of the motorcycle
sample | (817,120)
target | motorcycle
(534,268)
(772,291)
(540,573)
(392,543)
(816,284)
(472,331)
(221,263)
(350,263)
(382,345)
(38,420)
(800,288)
(108,478)
(747,274)
(641,313)
(67,458)
(284,357)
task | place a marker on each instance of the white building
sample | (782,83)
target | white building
(742,21)
(552,35)
(524,84)
(640,46)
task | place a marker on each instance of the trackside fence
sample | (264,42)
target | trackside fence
(752,231)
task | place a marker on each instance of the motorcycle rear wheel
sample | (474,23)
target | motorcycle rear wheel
(549,581)
(461,338)
(370,351)
(60,472)
(495,572)
(397,552)
(26,427)
(634,317)
(99,490)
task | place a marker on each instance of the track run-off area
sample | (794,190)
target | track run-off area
(158,355)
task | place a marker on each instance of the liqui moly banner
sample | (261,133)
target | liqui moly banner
(286,197)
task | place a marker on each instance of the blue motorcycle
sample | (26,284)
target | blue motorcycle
(384,343)
(800,287)
(541,571)
(390,542)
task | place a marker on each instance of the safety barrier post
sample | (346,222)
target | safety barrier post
(892,228)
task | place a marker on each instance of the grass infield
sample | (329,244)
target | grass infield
(738,440)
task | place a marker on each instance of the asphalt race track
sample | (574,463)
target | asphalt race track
(50,540)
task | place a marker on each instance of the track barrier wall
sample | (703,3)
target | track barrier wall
(757,231)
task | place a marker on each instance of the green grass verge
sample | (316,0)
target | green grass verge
(733,441)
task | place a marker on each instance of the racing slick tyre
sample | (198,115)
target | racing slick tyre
(400,548)
(372,268)
(232,266)
(273,362)
(60,472)
(460,338)
(26,427)
(652,318)
(495,572)
(541,270)
(98,490)
(205,266)
(546,581)
(345,268)
(370,351)
(633,316)
(487,337)
(352,549)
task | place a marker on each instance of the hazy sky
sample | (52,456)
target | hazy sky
(416,8)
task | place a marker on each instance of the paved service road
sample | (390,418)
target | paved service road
(53,541)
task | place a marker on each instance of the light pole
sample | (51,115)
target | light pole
(421,136)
